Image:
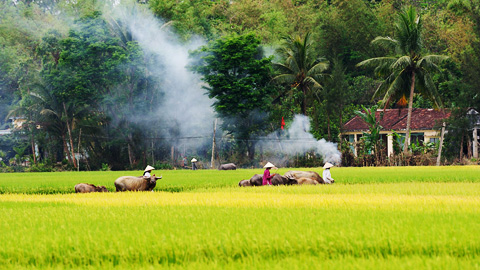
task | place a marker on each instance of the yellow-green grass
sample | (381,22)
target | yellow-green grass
(187,180)
(411,225)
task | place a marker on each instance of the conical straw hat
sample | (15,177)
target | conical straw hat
(328,165)
(269,165)
(149,168)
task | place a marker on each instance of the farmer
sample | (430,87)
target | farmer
(327,177)
(147,171)
(185,162)
(194,164)
(267,178)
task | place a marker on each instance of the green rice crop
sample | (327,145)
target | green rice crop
(187,180)
(429,221)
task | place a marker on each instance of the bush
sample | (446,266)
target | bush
(163,166)
(39,167)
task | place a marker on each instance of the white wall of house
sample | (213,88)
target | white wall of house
(428,135)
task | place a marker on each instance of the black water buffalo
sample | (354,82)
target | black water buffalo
(244,183)
(86,188)
(256,180)
(132,183)
(228,166)
(308,177)
(278,179)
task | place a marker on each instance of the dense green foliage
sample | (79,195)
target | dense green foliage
(238,76)
(78,71)
(409,70)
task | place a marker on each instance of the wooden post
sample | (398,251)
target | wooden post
(441,145)
(475,143)
(153,152)
(213,144)
(78,149)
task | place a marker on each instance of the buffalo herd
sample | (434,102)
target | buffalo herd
(133,183)
(123,183)
(289,178)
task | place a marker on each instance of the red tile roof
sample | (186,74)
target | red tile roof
(396,119)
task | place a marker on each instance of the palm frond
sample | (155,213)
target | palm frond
(430,62)
(402,62)
(393,88)
(426,87)
(282,68)
(376,61)
(284,78)
(385,42)
(318,68)
(312,82)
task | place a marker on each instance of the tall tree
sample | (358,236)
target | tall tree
(408,69)
(238,77)
(300,70)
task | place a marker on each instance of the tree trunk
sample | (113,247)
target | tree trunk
(32,141)
(78,149)
(409,115)
(65,148)
(251,150)
(131,157)
(212,162)
(441,144)
(461,148)
(341,127)
(70,137)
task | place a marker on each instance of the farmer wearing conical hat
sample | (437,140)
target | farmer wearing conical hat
(267,178)
(147,171)
(327,176)
(194,164)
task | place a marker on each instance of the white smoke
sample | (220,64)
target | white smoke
(185,102)
(297,139)
(185,110)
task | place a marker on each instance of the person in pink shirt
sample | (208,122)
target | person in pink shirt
(267,178)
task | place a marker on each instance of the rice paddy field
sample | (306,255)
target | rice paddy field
(371,218)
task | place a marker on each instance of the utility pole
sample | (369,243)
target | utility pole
(475,142)
(441,145)
(213,144)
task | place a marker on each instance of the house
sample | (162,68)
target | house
(424,126)
(14,123)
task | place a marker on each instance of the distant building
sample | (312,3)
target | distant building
(424,126)
(14,123)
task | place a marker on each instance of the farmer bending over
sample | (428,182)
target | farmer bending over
(267,178)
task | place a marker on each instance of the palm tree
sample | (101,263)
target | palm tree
(409,69)
(300,69)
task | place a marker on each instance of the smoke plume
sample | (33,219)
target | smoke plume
(297,139)
(186,112)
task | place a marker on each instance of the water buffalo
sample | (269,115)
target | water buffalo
(86,188)
(307,181)
(305,174)
(256,180)
(132,183)
(228,166)
(244,183)
(278,179)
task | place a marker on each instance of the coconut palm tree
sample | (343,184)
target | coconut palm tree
(300,69)
(409,69)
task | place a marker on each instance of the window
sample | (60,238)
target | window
(417,138)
